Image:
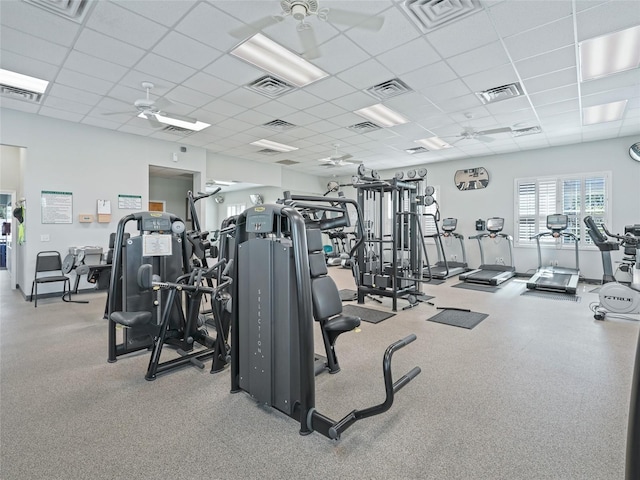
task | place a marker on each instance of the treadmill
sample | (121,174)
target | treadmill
(444,268)
(554,278)
(491,274)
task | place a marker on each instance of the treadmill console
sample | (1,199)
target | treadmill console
(556,223)
(449,224)
(495,224)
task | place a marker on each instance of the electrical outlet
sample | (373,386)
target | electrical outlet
(44,237)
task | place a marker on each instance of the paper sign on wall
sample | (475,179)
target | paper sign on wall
(104,211)
(56,207)
(130,202)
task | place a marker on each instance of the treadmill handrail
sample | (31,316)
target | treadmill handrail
(562,234)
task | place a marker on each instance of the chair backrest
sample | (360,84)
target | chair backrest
(324,293)
(48,261)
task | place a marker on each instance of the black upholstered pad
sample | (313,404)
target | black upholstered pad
(317,265)
(342,323)
(314,240)
(131,319)
(325,297)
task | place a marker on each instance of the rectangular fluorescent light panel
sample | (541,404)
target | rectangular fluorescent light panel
(433,143)
(195,126)
(382,115)
(608,112)
(24,82)
(274,58)
(220,182)
(280,147)
(609,54)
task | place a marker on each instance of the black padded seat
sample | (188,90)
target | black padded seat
(327,305)
(131,319)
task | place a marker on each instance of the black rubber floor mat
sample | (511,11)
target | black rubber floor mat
(366,314)
(458,318)
(552,295)
(347,295)
(477,287)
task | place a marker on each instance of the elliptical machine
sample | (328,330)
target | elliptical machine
(616,297)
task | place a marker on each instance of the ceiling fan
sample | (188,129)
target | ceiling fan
(300,10)
(470,133)
(153,109)
(338,160)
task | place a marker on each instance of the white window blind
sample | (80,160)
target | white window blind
(573,195)
(235,209)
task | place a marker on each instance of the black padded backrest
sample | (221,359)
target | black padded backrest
(48,261)
(593,231)
(317,265)
(314,240)
(325,298)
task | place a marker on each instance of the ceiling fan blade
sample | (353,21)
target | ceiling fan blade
(325,160)
(161,103)
(179,117)
(494,130)
(309,43)
(254,27)
(153,121)
(346,156)
(129,112)
(484,138)
(355,19)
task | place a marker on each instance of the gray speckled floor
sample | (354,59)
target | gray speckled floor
(538,390)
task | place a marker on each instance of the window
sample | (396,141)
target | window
(573,195)
(236,209)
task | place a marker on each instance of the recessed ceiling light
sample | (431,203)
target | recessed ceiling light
(25,82)
(609,54)
(195,126)
(382,115)
(608,112)
(219,182)
(280,147)
(433,143)
(274,58)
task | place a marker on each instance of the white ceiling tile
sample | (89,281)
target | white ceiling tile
(565,139)
(550,81)
(355,101)
(223,107)
(84,82)
(563,121)
(213,86)
(330,88)
(559,59)
(100,122)
(519,118)
(68,93)
(107,48)
(609,96)
(95,67)
(301,133)
(606,18)
(321,127)
(479,59)
(412,102)
(36,21)
(66,105)
(134,80)
(496,77)
(15,104)
(630,78)
(275,110)
(511,18)
(556,95)
(28,66)
(299,100)
(430,75)
(366,75)
(557,108)
(234,70)
(444,91)
(30,46)
(459,104)
(210,26)
(117,22)
(189,96)
(61,114)
(394,32)
(338,54)
(163,67)
(470,32)
(408,57)
(301,118)
(185,50)
(166,12)
(540,40)
(508,106)
(346,120)
(245,98)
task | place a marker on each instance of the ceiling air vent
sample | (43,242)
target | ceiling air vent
(269,86)
(498,94)
(279,125)
(20,93)
(268,151)
(429,15)
(415,150)
(287,162)
(364,127)
(388,89)
(177,130)
(521,132)
(75,10)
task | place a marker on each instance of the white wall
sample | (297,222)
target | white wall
(498,198)
(93,164)
(173,191)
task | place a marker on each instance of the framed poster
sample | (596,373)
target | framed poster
(56,207)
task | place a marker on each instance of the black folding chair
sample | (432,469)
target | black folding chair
(49,263)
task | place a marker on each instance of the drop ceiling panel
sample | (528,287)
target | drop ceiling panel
(166,12)
(557,108)
(339,54)
(444,91)
(117,22)
(222,107)
(606,18)
(234,70)
(84,82)
(108,48)
(66,105)
(27,66)
(496,77)
(550,81)
(470,32)
(100,122)
(540,40)
(61,114)
(409,56)
(95,67)
(189,96)
(479,59)
(299,100)
(212,86)
(182,49)
(509,106)
(330,88)
(620,80)
(608,97)
(30,46)
(459,104)
(567,92)
(163,67)
(68,93)
(366,75)
(433,74)
(210,26)
(555,60)
(511,18)
(245,98)
(413,105)
(19,105)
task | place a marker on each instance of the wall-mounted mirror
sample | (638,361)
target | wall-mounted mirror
(471,178)
(634,151)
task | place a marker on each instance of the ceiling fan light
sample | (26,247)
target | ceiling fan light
(433,143)
(382,115)
(266,54)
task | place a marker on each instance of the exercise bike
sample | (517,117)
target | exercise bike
(616,297)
